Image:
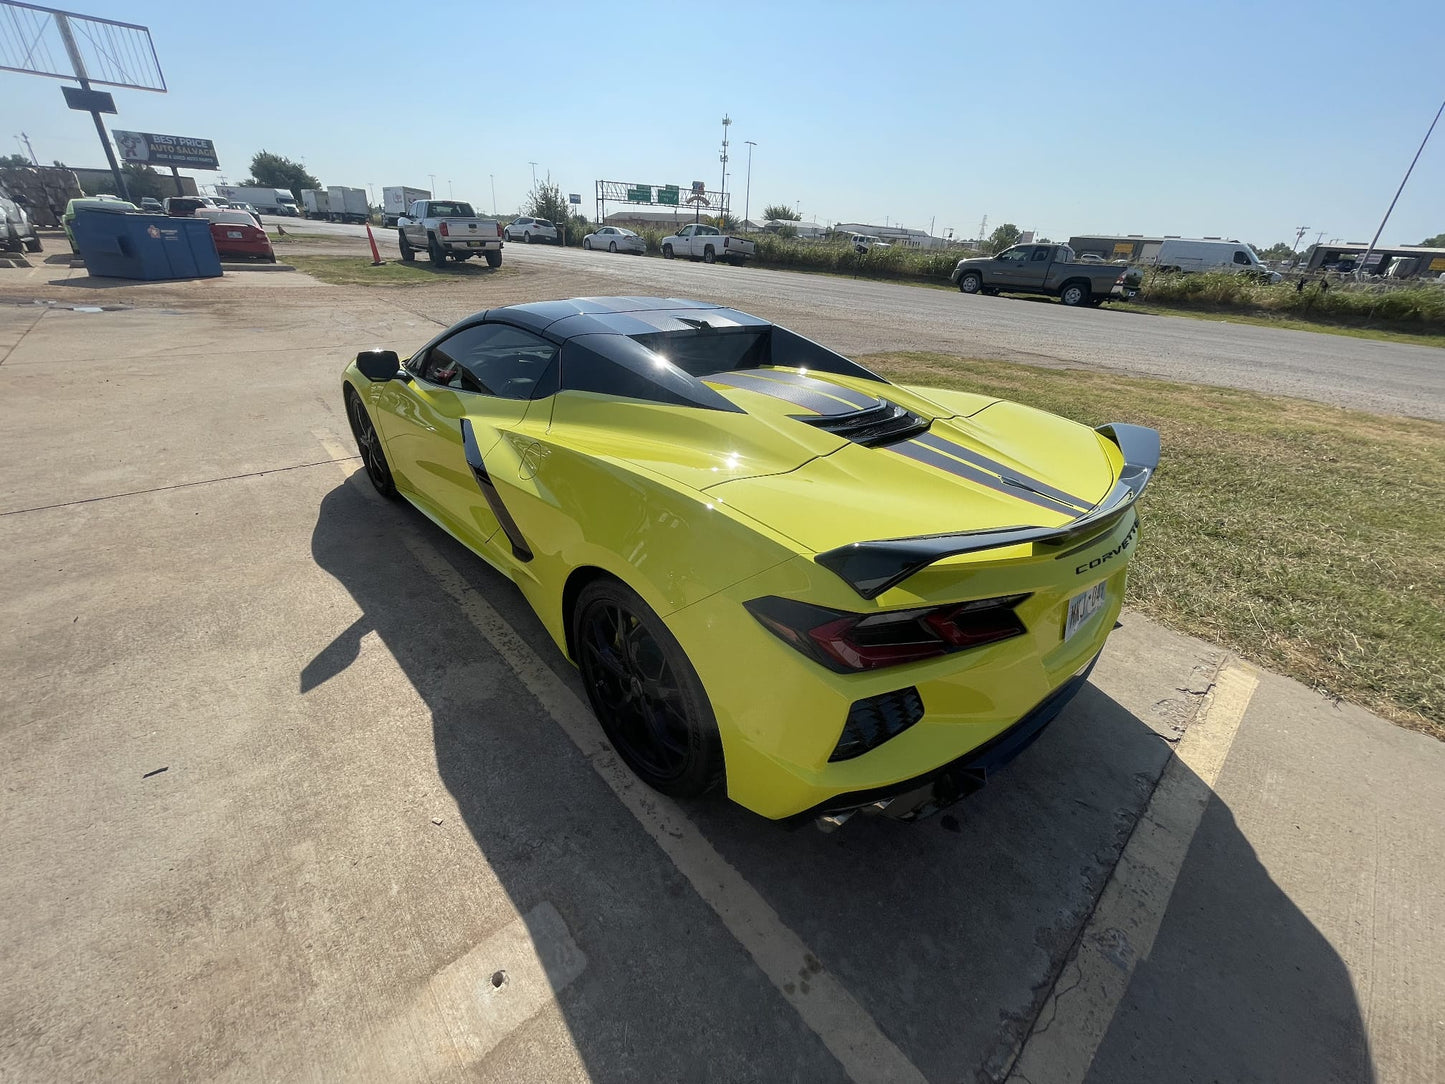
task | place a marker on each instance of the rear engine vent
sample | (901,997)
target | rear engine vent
(882,424)
(873,721)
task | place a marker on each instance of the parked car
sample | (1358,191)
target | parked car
(615,239)
(234,206)
(530,229)
(236,233)
(862,242)
(708,244)
(152,205)
(447,227)
(19,231)
(781,575)
(97,203)
(1045,269)
(185,206)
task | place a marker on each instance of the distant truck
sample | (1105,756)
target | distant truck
(447,227)
(396,200)
(708,244)
(314,203)
(1045,269)
(348,204)
(269,201)
(1210,254)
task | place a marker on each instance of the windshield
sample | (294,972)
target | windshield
(238,217)
(447,209)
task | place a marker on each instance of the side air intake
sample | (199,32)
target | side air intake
(881,424)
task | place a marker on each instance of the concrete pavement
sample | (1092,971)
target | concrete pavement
(292,779)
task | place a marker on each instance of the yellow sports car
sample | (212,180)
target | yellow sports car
(776,570)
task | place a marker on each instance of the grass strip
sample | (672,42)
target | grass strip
(357,271)
(1304,537)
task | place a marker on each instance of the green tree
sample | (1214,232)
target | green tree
(1280,250)
(1001,238)
(14,161)
(273,171)
(546,201)
(777,212)
(1438,241)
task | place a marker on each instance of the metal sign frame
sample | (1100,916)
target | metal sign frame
(655,195)
(37,40)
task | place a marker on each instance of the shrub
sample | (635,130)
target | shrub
(1420,303)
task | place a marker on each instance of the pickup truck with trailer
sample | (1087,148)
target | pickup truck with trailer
(1045,269)
(447,227)
(708,244)
(396,200)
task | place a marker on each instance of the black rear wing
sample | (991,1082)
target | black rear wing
(871,568)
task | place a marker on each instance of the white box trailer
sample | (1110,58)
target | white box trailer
(269,201)
(314,203)
(347,204)
(396,199)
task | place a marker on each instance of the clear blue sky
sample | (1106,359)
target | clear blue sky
(1238,119)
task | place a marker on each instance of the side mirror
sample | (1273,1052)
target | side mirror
(379,365)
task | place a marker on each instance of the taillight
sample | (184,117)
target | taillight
(849,642)
(442,229)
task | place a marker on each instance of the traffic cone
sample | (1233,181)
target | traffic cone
(375,255)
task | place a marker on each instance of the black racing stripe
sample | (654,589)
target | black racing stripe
(923,454)
(520,550)
(803,397)
(860,399)
(1008,473)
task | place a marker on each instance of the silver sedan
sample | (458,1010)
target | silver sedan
(615,239)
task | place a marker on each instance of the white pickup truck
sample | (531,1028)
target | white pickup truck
(708,244)
(446,227)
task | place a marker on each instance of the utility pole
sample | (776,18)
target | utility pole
(1299,232)
(29,149)
(493,178)
(450,193)
(723,195)
(534,173)
(1365,262)
(432,177)
(748,195)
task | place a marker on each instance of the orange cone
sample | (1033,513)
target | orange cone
(375,256)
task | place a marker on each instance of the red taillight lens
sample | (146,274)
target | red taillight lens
(849,642)
(442,229)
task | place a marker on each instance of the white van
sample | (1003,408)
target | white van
(1185,254)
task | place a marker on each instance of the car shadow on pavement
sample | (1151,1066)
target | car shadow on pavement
(950,933)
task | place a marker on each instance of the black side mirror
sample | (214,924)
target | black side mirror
(379,365)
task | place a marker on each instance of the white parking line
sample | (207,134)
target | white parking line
(826,1006)
(1122,929)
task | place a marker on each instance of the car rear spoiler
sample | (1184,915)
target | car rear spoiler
(871,568)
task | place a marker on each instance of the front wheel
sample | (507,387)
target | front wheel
(1074,293)
(971,283)
(494,259)
(436,252)
(667,252)
(407,252)
(368,443)
(644,692)
(587,243)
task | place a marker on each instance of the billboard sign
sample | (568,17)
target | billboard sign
(166,150)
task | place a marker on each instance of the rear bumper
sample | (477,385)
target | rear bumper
(244,249)
(471,244)
(936,790)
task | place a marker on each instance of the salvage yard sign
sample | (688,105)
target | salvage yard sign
(166,150)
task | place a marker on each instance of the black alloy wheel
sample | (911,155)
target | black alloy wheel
(407,252)
(644,692)
(368,443)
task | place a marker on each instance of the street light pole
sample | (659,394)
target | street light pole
(433,178)
(748,194)
(534,173)
(493,178)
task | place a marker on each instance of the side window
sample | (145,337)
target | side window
(493,359)
(1014,255)
(1043,252)
(1241,258)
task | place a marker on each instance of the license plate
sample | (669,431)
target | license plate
(237,234)
(474,244)
(1082,607)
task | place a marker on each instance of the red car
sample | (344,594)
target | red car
(236,234)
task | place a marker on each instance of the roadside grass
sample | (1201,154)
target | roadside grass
(357,271)
(1415,338)
(1306,538)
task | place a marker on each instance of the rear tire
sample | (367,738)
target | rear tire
(1074,294)
(527,237)
(970,283)
(494,259)
(708,255)
(32,244)
(407,252)
(436,252)
(644,691)
(612,246)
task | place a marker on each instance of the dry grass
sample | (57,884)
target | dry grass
(1305,537)
(357,271)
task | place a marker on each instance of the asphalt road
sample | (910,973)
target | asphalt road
(862,316)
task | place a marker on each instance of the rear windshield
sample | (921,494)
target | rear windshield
(439,209)
(720,350)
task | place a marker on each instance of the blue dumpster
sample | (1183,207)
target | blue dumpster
(132,246)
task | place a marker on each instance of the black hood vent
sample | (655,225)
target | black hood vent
(882,424)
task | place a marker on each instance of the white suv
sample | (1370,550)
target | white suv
(529,230)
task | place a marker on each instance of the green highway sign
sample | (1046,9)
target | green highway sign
(668,195)
(640,194)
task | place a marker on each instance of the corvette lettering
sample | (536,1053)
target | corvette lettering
(1104,558)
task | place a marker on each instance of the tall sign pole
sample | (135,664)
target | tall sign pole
(62,25)
(1366,261)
